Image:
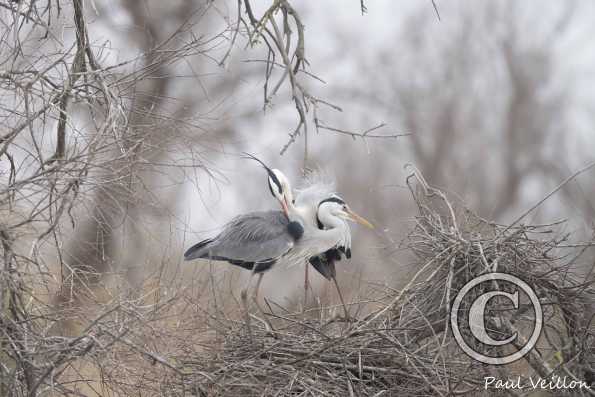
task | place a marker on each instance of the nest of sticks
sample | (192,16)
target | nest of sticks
(404,345)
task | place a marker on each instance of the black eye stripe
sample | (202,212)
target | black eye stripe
(332,200)
(271,189)
(275,181)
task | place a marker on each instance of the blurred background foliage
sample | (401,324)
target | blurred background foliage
(492,102)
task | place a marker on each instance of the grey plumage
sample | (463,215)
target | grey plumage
(254,241)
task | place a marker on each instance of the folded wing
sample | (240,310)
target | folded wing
(256,239)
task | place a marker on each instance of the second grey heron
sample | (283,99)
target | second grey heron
(318,211)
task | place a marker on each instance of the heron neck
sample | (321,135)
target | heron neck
(331,221)
(335,232)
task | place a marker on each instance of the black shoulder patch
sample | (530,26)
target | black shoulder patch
(334,253)
(295,230)
(346,251)
(323,266)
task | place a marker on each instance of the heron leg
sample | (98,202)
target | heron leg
(347,316)
(244,297)
(268,325)
(306,284)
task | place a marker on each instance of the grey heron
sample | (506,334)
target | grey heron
(324,262)
(319,209)
(258,240)
(253,241)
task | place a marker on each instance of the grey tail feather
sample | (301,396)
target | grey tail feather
(196,251)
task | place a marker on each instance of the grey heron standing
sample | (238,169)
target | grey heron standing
(330,213)
(324,262)
(258,240)
(255,241)
(319,209)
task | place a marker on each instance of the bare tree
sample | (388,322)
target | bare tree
(85,138)
(95,120)
(482,99)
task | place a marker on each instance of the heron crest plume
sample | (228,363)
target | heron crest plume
(318,184)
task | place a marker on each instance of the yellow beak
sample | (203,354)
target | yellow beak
(359,219)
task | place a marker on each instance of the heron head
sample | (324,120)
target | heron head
(278,184)
(336,206)
(280,189)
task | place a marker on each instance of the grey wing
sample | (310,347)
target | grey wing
(254,237)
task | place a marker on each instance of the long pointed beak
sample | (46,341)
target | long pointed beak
(285,206)
(359,219)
